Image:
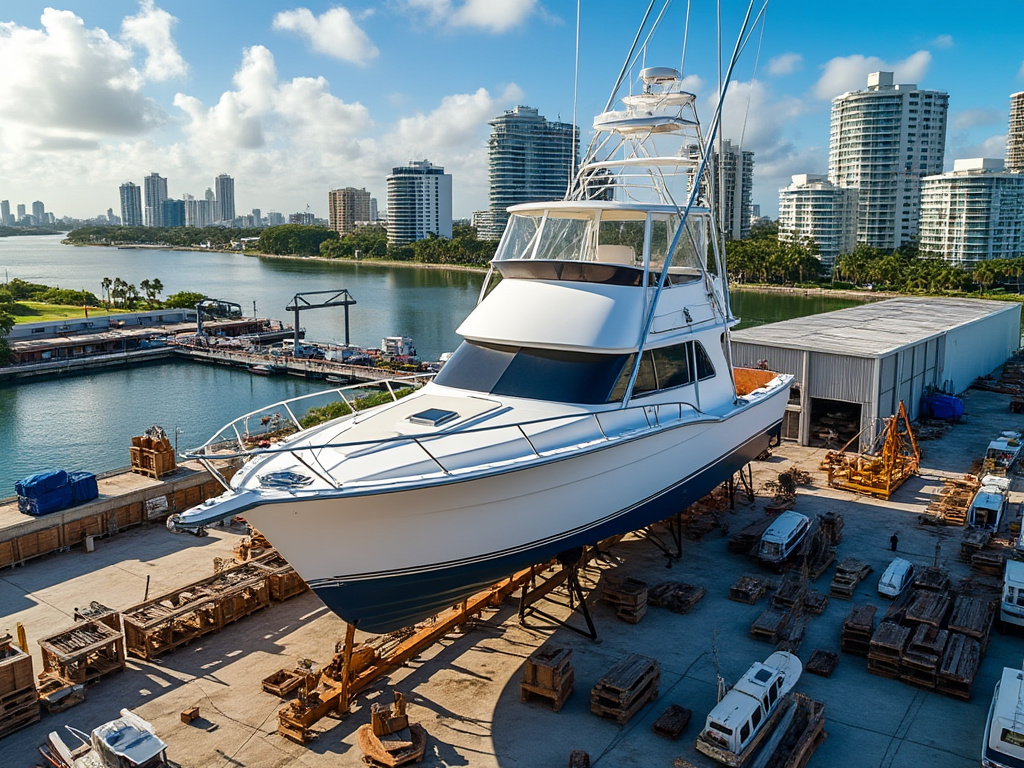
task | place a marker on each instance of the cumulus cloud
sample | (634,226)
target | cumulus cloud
(151,29)
(943,41)
(246,118)
(850,73)
(64,83)
(332,33)
(786,64)
(495,16)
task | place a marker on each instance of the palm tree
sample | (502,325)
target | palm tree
(147,288)
(106,283)
(157,287)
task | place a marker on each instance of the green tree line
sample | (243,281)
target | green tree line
(178,237)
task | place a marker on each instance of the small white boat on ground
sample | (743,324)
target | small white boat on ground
(127,742)
(1003,742)
(593,395)
(989,503)
(1002,453)
(749,712)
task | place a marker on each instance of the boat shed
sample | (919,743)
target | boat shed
(852,367)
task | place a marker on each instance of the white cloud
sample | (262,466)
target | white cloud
(960,146)
(971,118)
(66,85)
(850,73)
(261,109)
(943,41)
(786,64)
(332,33)
(495,16)
(152,30)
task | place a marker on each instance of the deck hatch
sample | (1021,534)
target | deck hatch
(432,417)
(284,479)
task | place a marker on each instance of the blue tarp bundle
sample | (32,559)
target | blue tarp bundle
(35,486)
(947,407)
(83,486)
(45,503)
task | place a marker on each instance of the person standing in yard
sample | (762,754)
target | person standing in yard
(894,542)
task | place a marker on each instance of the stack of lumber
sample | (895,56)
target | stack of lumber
(19,704)
(959,665)
(886,649)
(921,658)
(849,573)
(626,688)
(858,627)
(973,616)
(949,506)
(549,674)
(675,595)
(746,541)
(748,589)
(628,595)
(989,561)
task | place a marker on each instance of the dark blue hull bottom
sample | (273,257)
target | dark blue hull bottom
(391,602)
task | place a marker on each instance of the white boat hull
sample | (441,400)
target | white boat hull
(386,560)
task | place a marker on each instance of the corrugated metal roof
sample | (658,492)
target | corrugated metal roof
(875,329)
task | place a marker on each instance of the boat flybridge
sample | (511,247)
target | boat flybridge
(593,395)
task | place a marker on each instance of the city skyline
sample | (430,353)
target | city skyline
(293,102)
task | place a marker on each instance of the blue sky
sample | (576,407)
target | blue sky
(295,100)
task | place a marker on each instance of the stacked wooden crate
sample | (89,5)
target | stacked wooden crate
(282,579)
(19,704)
(549,674)
(849,573)
(933,640)
(858,627)
(626,688)
(152,456)
(83,653)
(677,596)
(177,617)
(628,595)
(748,589)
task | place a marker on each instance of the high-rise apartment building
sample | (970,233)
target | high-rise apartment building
(131,204)
(973,213)
(172,213)
(155,187)
(39,212)
(274,219)
(21,211)
(5,213)
(224,188)
(1015,135)
(346,207)
(884,140)
(811,208)
(198,213)
(419,202)
(530,159)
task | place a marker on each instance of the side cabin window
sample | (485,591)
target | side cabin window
(773,694)
(755,718)
(665,368)
(744,732)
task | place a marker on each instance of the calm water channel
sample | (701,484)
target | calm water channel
(86,422)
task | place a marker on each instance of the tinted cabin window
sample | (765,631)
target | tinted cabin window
(744,732)
(665,368)
(756,717)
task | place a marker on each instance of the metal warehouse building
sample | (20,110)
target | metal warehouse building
(852,367)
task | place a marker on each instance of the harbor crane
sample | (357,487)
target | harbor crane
(338,298)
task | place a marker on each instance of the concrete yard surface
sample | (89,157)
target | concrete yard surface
(465,691)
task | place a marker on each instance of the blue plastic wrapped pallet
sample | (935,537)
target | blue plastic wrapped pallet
(35,486)
(83,486)
(947,407)
(45,503)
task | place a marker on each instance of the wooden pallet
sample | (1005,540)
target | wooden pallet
(929,608)
(790,593)
(849,573)
(672,722)
(746,541)
(933,578)
(548,673)
(677,596)
(822,663)
(989,562)
(17,710)
(972,616)
(959,666)
(626,688)
(885,652)
(770,625)
(748,589)
(973,542)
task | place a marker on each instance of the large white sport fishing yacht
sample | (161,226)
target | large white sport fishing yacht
(593,395)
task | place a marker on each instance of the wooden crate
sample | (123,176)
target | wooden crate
(283,580)
(626,688)
(972,616)
(849,573)
(18,710)
(822,663)
(129,516)
(38,543)
(628,595)
(19,703)
(677,596)
(84,652)
(748,589)
(548,673)
(770,625)
(75,531)
(959,665)
(929,608)
(858,627)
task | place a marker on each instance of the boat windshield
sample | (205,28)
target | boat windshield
(536,374)
(602,236)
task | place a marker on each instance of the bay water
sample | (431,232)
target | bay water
(86,421)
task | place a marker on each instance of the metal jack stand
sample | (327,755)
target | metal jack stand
(570,562)
(674,549)
(746,484)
